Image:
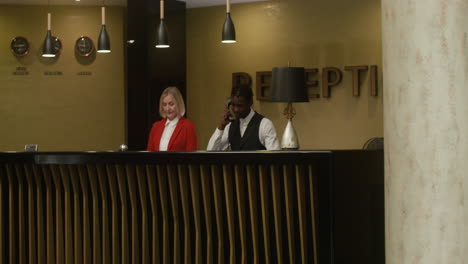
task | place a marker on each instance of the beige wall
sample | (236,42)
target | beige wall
(311,34)
(68,112)
(73,112)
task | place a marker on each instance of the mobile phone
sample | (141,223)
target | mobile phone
(230,116)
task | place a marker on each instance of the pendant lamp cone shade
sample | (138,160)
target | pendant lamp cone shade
(229,32)
(163,35)
(103,40)
(48,49)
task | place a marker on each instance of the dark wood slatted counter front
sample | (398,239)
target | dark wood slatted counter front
(181,207)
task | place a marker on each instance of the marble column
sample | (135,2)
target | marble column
(425,71)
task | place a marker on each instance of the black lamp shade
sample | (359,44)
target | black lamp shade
(229,32)
(103,40)
(163,36)
(288,85)
(48,50)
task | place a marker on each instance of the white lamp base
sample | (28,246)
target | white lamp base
(289,140)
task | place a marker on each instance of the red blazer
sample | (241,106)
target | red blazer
(183,138)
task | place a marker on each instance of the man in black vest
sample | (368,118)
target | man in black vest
(247,130)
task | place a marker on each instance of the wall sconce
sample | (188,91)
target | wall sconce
(288,85)
(48,50)
(229,32)
(163,36)
(103,40)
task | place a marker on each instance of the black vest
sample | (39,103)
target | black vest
(250,140)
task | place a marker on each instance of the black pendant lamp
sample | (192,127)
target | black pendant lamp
(103,40)
(229,32)
(48,49)
(163,36)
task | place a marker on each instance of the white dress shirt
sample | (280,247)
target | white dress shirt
(167,133)
(266,134)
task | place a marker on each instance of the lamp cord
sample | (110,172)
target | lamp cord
(103,13)
(49,22)
(161,7)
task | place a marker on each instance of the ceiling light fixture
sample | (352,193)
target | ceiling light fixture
(103,40)
(48,49)
(229,32)
(163,36)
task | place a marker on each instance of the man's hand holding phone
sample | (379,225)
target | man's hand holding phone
(227,116)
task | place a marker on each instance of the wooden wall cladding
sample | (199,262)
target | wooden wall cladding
(219,207)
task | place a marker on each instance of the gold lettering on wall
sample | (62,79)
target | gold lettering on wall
(356,79)
(327,82)
(241,78)
(373,80)
(263,85)
(311,83)
(331,76)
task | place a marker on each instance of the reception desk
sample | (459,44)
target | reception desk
(192,207)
